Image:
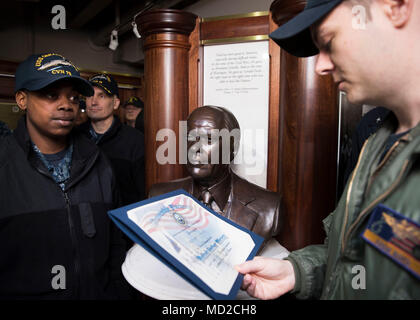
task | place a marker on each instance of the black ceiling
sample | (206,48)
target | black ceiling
(92,16)
(95,18)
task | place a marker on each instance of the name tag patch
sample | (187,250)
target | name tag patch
(396,236)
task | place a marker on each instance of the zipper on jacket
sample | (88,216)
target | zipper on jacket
(346,212)
(374,203)
(71,223)
(381,164)
(74,243)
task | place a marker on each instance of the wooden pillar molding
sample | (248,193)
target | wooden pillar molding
(308,141)
(166,44)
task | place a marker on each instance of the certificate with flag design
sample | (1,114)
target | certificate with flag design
(199,244)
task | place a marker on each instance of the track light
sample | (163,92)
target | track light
(113,43)
(135,30)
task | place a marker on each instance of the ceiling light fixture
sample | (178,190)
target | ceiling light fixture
(113,43)
(135,30)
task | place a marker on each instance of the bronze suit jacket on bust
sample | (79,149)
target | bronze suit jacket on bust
(252,207)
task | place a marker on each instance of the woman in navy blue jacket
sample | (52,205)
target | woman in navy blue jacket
(56,240)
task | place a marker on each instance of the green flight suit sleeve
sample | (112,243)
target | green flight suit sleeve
(309,265)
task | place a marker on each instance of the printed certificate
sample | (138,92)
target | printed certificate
(190,238)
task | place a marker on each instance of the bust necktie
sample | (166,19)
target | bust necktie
(206,197)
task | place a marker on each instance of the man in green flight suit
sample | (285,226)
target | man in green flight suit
(372,248)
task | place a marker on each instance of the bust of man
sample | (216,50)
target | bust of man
(211,180)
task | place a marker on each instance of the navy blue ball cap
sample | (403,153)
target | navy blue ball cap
(295,36)
(40,70)
(105,82)
(134,101)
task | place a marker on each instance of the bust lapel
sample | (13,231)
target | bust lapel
(240,212)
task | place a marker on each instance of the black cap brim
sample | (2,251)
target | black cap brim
(295,36)
(81,85)
(106,90)
(137,105)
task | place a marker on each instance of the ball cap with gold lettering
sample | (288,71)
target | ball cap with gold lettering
(295,36)
(134,101)
(106,83)
(41,70)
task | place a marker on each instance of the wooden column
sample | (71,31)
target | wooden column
(166,44)
(308,142)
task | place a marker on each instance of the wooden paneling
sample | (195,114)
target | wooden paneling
(274,142)
(7,88)
(195,70)
(8,67)
(235,27)
(7,80)
(284,10)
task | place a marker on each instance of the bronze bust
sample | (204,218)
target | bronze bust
(214,184)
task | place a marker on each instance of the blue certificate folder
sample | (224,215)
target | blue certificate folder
(209,254)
